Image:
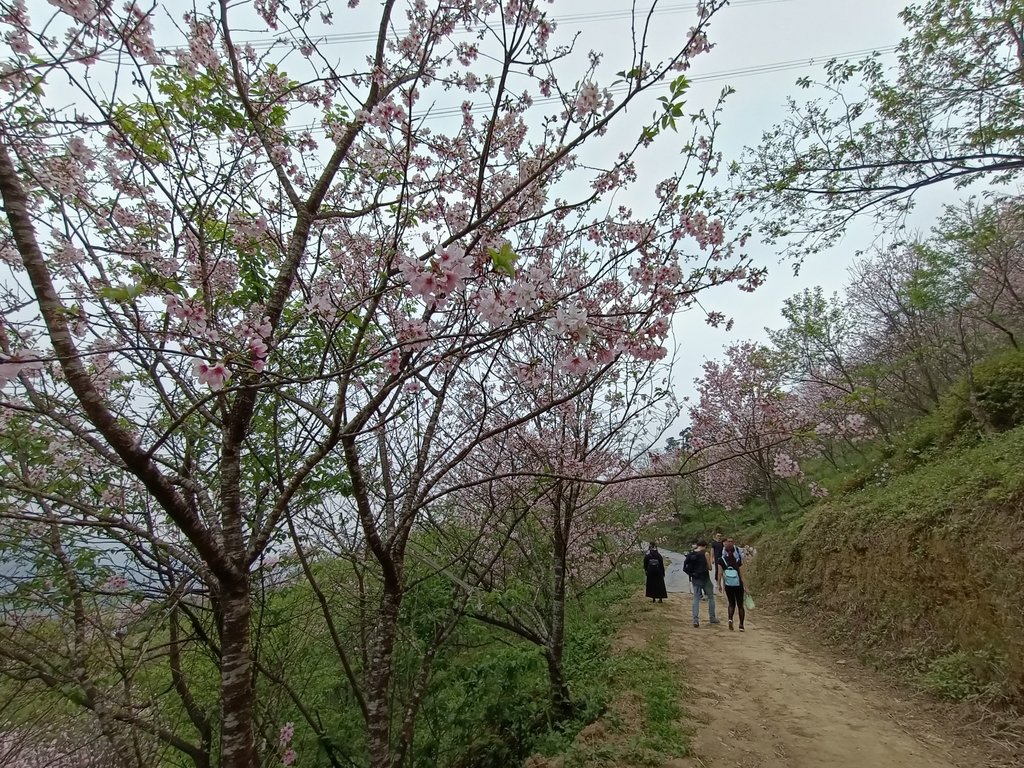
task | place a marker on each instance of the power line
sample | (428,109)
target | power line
(350,38)
(344,38)
(779,66)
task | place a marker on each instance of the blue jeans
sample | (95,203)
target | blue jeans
(704,586)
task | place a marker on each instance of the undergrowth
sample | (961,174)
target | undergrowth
(643,726)
(961,675)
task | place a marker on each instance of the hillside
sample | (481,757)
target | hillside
(924,566)
(914,562)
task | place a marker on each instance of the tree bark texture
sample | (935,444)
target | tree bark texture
(238,747)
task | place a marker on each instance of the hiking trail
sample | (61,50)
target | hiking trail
(761,701)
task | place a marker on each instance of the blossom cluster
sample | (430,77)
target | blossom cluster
(438,278)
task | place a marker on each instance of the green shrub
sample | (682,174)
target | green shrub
(999,395)
(964,674)
(947,424)
(999,382)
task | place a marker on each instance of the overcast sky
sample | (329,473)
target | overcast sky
(760,33)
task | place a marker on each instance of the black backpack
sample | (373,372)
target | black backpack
(695,565)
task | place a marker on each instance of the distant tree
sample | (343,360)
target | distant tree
(905,348)
(913,321)
(814,345)
(949,113)
(743,424)
(975,265)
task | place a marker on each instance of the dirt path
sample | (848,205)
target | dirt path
(763,702)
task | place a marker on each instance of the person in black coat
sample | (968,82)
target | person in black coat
(654,567)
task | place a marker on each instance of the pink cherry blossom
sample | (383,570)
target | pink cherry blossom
(214,375)
(785,466)
(393,363)
(491,309)
(287,732)
(79,10)
(588,100)
(569,320)
(22,361)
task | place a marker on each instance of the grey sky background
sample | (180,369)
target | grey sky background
(756,35)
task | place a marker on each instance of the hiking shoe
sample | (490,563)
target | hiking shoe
(730,625)
(714,621)
(741,628)
(696,623)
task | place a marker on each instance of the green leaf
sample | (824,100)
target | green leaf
(504,259)
(121,293)
(173,286)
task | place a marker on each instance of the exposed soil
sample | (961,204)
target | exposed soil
(762,700)
(775,697)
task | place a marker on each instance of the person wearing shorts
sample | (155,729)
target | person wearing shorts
(731,563)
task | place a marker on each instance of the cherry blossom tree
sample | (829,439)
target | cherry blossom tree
(250,282)
(582,489)
(925,311)
(753,427)
(744,426)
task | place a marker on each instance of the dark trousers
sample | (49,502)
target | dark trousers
(735,595)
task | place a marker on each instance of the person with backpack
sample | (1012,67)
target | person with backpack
(654,567)
(693,548)
(697,566)
(716,557)
(732,578)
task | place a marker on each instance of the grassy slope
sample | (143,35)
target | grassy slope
(642,724)
(922,564)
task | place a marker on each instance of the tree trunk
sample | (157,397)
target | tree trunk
(773,499)
(238,747)
(561,703)
(561,700)
(378,694)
